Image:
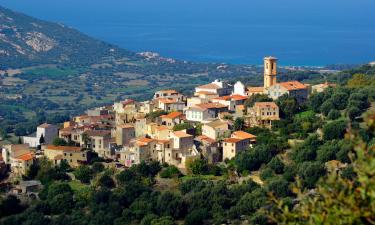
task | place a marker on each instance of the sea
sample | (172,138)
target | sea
(298,32)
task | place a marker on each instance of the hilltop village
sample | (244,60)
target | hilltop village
(170,128)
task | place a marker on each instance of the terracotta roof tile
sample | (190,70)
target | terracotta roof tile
(145,140)
(63,148)
(168,100)
(181,134)
(172,115)
(98,133)
(213,105)
(232,140)
(161,128)
(265,104)
(207,139)
(168,91)
(209,86)
(243,135)
(293,85)
(238,97)
(26,157)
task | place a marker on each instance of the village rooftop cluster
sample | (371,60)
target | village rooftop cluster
(170,128)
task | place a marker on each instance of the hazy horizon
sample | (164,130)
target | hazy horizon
(298,32)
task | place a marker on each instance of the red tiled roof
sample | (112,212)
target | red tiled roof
(181,134)
(145,140)
(63,148)
(172,115)
(98,133)
(238,97)
(163,141)
(265,104)
(232,140)
(211,105)
(293,85)
(168,100)
(26,157)
(161,128)
(209,86)
(207,139)
(243,135)
(225,98)
(167,91)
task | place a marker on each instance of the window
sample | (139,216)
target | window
(71,154)
(83,155)
(64,154)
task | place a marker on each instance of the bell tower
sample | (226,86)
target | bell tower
(270,71)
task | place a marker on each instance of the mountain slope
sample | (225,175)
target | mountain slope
(26,41)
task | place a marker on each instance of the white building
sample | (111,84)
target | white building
(218,87)
(48,131)
(239,89)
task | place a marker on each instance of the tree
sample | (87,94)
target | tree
(310,172)
(340,99)
(182,126)
(59,142)
(166,220)
(84,174)
(278,186)
(358,80)
(10,205)
(197,167)
(276,165)
(334,114)
(334,130)
(327,106)
(257,98)
(238,124)
(169,204)
(97,167)
(170,172)
(41,139)
(196,217)
(85,139)
(106,181)
(353,112)
(315,101)
(339,200)
(288,106)
(3,133)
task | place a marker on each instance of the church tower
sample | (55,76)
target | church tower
(270,71)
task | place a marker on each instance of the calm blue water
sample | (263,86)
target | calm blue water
(298,32)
